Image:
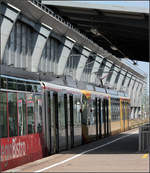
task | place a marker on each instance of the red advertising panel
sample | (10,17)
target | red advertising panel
(19,150)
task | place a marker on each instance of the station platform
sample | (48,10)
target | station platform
(117,153)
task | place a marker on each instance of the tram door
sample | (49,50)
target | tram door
(55,120)
(107,118)
(96,116)
(104,117)
(126,116)
(66,119)
(71,120)
(122,115)
(99,118)
(48,124)
(107,114)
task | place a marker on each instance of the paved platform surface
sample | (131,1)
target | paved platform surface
(113,154)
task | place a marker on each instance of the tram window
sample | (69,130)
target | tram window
(61,111)
(3,115)
(39,89)
(30,114)
(35,88)
(3,83)
(75,110)
(38,113)
(21,86)
(12,112)
(84,109)
(28,87)
(78,105)
(22,114)
(11,84)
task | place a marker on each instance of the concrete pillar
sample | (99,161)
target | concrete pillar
(106,71)
(132,113)
(68,45)
(126,83)
(134,93)
(119,84)
(84,56)
(43,34)
(139,95)
(136,112)
(95,68)
(114,74)
(131,86)
(10,15)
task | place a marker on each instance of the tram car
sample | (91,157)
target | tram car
(38,119)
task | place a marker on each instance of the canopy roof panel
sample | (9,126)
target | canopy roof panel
(123,31)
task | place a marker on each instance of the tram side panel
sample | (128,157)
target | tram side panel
(21,136)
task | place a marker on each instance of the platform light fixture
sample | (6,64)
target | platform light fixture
(113,47)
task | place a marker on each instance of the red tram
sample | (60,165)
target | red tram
(21,128)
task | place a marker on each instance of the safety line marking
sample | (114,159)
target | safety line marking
(145,156)
(78,155)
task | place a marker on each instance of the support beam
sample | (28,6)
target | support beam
(84,56)
(119,84)
(127,81)
(106,71)
(10,15)
(140,95)
(114,75)
(95,68)
(133,98)
(131,86)
(42,36)
(67,47)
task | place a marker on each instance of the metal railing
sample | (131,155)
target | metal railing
(59,18)
(144,138)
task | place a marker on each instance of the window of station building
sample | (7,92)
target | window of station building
(22,114)
(3,115)
(38,113)
(12,112)
(30,113)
